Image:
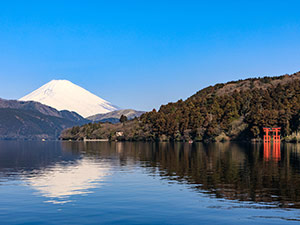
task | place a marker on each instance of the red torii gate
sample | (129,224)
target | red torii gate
(267,138)
(276,143)
(276,137)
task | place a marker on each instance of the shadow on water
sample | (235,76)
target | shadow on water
(244,172)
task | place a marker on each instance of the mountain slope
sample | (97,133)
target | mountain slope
(44,109)
(236,110)
(64,95)
(115,115)
(28,124)
(33,120)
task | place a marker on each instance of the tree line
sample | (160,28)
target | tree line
(236,110)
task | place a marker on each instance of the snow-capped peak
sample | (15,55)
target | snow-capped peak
(64,95)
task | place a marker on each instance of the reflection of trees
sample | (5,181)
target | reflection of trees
(232,171)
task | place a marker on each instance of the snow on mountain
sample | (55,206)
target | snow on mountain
(64,95)
(129,113)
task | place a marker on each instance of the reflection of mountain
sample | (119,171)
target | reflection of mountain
(60,181)
(55,173)
(60,170)
(26,156)
(231,171)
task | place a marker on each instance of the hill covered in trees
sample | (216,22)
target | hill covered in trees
(236,110)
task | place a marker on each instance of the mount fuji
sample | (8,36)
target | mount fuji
(64,95)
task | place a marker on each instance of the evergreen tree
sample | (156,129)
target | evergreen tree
(123,118)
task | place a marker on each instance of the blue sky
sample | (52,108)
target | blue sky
(141,54)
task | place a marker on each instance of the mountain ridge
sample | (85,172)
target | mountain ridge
(44,109)
(115,115)
(64,95)
(33,120)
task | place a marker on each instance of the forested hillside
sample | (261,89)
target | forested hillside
(237,110)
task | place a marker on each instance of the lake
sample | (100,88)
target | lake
(148,183)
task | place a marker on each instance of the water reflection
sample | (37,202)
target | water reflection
(276,152)
(224,170)
(52,171)
(59,182)
(251,173)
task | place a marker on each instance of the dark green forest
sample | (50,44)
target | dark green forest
(236,110)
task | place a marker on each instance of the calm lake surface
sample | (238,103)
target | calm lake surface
(148,183)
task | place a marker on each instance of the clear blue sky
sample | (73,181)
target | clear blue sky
(141,54)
